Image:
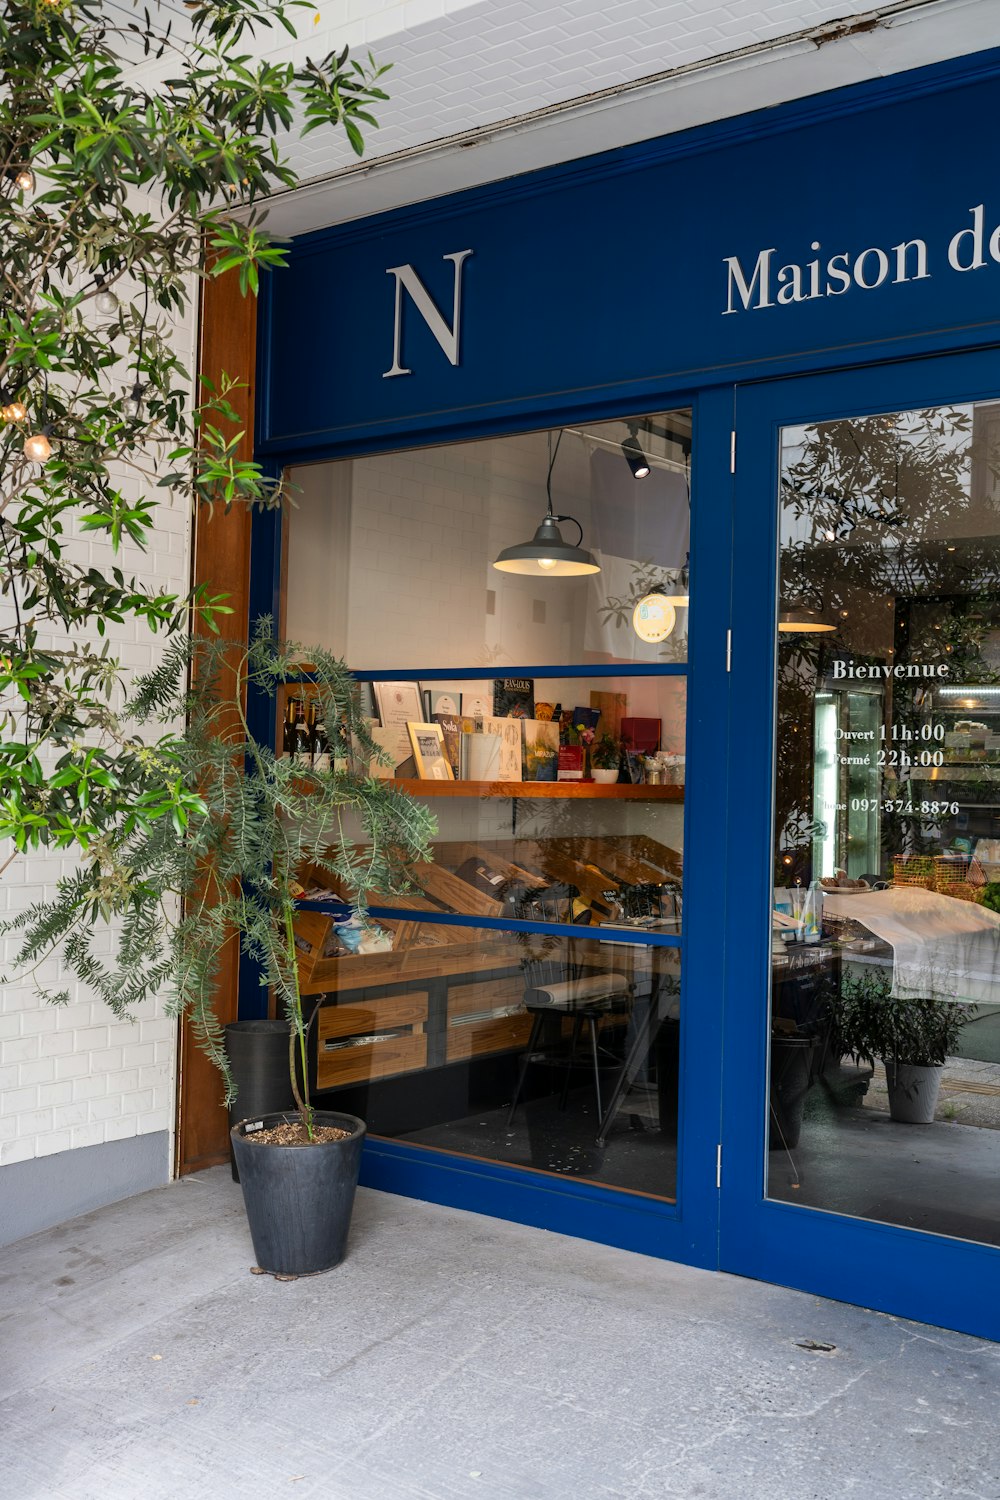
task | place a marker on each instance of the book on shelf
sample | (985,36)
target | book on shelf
(514,698)
(480,757)
(477,700)
(540,749)
(641,735)
(570,763)
(442,701)
(508,732)
(451,729)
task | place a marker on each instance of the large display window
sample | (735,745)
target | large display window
(515,611)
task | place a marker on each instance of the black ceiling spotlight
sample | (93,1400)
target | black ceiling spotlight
(548,555)
(634,456)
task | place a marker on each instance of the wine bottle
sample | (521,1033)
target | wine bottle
(288,728)
(320,746)
(302,752)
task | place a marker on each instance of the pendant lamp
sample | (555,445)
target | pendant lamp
(801,619)
(548,554)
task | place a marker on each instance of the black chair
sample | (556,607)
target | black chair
(556,989)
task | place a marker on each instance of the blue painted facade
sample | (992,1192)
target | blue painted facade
(624,283)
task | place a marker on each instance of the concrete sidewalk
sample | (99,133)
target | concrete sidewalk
(454,1357)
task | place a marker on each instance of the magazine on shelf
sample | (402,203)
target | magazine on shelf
(508,731)
(514,698)
(540,749)
(451,728)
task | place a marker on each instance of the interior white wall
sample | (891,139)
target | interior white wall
(423,529)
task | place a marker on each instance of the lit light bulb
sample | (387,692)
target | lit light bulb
(24,179)
(14,411)
(38,447)
(546,563)
(105,301)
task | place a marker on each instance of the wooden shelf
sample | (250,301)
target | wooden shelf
(616,791)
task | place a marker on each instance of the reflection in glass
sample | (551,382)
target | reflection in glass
(884,1097)
(391,559)
(543,1051)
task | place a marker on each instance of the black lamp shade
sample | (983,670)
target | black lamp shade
(547,555)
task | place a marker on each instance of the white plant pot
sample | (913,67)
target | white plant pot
(604,774)
(913,1092)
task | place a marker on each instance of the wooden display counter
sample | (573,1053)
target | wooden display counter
(445,993)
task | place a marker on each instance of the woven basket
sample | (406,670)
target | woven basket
(959,890)
(914,869)
(949,872)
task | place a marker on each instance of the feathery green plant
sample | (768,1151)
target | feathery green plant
(239,825)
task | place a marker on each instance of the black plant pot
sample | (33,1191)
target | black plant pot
(791,1062)
(299,1198)
(258,1056)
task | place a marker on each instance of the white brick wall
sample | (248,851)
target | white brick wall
(73,1075)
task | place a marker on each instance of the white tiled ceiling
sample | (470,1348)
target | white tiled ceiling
(528,82)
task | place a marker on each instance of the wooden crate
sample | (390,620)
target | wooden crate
(402,1053)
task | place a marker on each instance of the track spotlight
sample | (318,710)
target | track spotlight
(634,456)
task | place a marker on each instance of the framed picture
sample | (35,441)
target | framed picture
(429,754)
(398,703)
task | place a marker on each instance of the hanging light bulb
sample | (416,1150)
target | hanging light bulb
(105,301)
(37,447)
(24,179)
(13,411)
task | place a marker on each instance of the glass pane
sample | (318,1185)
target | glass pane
(543,1052)
(392,560)
(513,839)
(885,1040)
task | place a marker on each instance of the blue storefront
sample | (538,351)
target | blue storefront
(673,1012)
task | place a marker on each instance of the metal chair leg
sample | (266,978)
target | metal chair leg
(577,1028)
(533,1039)
(597,1068)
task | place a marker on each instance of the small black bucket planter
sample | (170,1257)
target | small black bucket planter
(299,1198)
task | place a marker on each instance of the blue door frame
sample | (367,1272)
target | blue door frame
(917,1275)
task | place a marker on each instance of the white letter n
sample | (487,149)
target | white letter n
(447,338)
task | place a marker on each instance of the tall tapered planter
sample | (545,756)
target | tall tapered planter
(299,1199)
(258,1057)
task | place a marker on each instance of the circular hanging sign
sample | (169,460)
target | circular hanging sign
(653,618)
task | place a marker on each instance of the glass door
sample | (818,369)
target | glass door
(861,1141)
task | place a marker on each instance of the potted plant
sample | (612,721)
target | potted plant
(911,1036)
(605,758)
(231,847)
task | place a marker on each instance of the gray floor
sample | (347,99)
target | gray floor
(457,1356)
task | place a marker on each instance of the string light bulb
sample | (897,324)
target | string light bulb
(37,447)
(24,179)
(13,411)
(105,301)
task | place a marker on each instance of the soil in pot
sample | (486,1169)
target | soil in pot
(299,1198)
